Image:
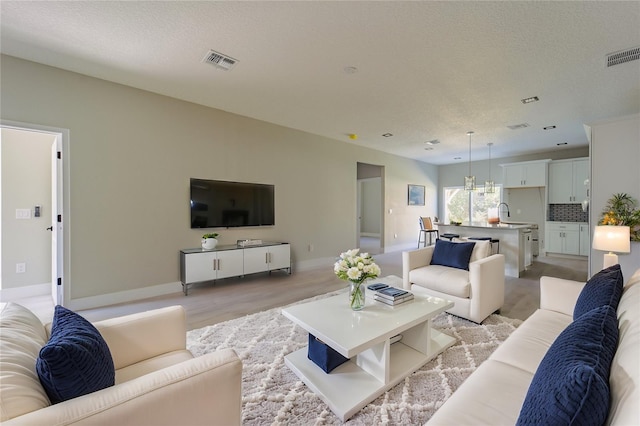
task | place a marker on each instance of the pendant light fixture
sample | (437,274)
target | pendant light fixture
(469,180)
(489,185)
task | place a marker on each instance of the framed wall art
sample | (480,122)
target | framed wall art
(416,195)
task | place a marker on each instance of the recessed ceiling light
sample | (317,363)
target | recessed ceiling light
(549,128)
(387,135)
(531,99)
(562,143)
(433,142)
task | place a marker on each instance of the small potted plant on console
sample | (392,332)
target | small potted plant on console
(209,241)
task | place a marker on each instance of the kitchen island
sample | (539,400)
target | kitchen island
(511,236)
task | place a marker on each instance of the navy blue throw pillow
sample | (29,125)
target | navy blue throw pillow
(76,360)
(571,384)
(604,288)
(454,255)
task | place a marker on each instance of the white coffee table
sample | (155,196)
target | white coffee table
(376,365)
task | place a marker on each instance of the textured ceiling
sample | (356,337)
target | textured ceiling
(425,70)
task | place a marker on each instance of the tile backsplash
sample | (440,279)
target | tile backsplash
(567,213)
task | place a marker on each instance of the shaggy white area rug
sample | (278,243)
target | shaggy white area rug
(272,394)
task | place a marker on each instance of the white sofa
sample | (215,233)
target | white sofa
(495,392)
(476,293)
(157,382)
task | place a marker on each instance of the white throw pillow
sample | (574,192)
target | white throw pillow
(22,335)
(481,250)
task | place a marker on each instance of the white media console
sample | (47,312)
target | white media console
(197,264)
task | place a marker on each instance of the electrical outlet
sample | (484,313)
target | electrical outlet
(310,247)
(21,268)
(395,235)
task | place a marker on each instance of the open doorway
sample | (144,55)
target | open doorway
(370,217)
(32,247)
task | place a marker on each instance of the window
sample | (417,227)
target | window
(457,202)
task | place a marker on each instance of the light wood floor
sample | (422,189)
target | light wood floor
(210,303)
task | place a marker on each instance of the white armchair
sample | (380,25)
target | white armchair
(476,293)
(158,381)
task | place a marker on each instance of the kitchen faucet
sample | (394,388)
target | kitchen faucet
(508,214)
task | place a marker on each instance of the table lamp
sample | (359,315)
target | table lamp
(612,238)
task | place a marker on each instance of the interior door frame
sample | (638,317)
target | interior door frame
(359,200)
(60,265)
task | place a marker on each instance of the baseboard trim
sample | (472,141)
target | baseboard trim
(124,296)
(307,265)
(14,293)
(370,234)
(399,247)
(566,256)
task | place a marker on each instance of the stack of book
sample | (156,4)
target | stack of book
(392,296)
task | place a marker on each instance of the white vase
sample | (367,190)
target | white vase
(209,243)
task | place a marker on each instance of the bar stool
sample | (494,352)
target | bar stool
(450,236)
(491,240)
(426,228)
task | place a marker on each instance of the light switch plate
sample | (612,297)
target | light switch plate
(23,213)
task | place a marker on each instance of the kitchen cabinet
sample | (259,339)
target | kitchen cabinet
(566,181)
(585,239)
(525,174)
(563,237)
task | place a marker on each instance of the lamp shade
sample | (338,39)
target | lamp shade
(612,239)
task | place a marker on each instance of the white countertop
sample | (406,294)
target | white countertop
(485,225)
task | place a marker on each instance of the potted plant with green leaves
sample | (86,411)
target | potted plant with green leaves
(621,210)
(209,241)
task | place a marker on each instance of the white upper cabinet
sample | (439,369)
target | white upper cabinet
(567,181)
(525,174)
(580,175)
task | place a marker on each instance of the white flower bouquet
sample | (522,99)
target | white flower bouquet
(356,268)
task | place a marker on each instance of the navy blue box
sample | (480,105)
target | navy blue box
(324,356)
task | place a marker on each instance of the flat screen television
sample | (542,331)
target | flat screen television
(223,204)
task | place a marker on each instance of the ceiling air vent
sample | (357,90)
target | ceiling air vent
(623,56)
(518,126)
(219,60)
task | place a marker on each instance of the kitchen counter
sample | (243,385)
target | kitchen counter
(484,225)
(510,234)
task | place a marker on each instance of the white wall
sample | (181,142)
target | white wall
(615,168)
(131,154)
(26,182)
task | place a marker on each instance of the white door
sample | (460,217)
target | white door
(57,206)
(56,221)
